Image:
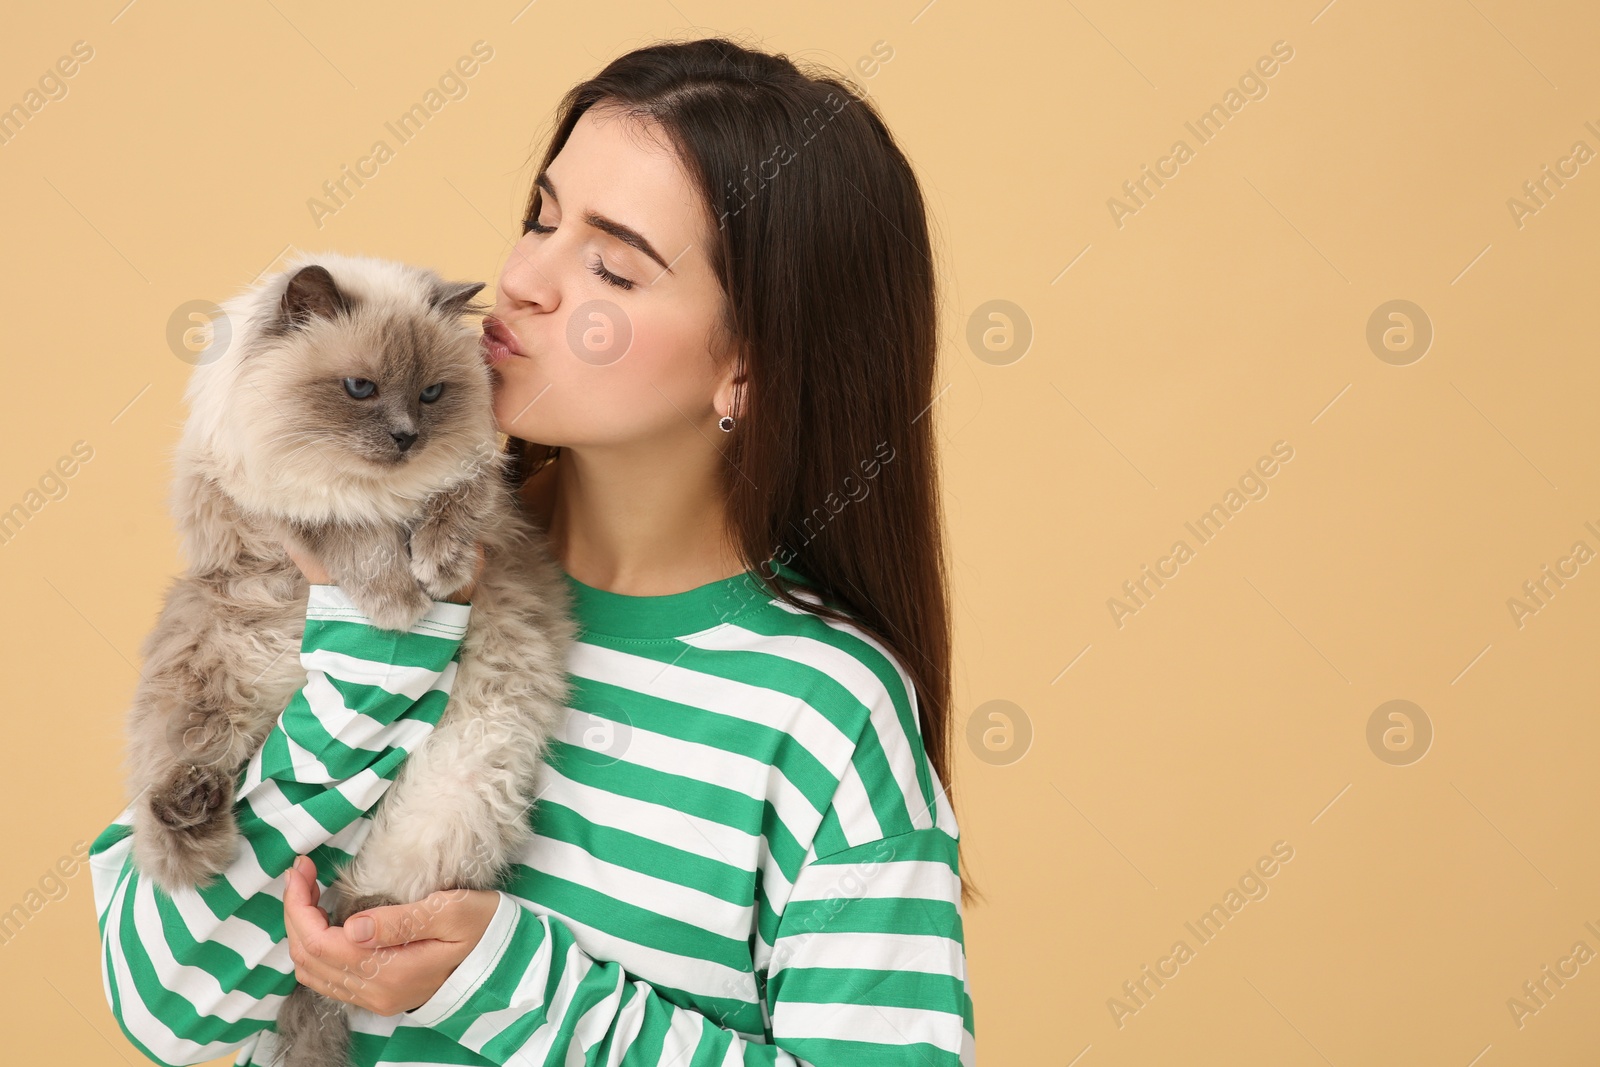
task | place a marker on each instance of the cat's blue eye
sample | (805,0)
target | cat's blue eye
(431,393)
(360,388)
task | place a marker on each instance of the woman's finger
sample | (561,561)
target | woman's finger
(308,875)
(397,924)
(302,918)
(401,924)
(302,876)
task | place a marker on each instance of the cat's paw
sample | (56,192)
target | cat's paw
(184,830)
(346,905)
(443,558)
(393,605)
(190,796)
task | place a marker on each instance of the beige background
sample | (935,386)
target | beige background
(1167,355)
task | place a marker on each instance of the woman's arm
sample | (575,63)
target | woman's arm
(868,966)
(192,976)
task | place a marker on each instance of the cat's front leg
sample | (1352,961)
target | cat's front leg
(369,563)
(184,829)
(444,538)
(312,1031)
(187,742)
(457,814)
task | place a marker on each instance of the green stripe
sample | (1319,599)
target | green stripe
(645,1046)
(836,1050)
(365,641)
(883,788)
(881,915)
(110,836)
(857,985)
(829,838)
(930,844)
(411,1043)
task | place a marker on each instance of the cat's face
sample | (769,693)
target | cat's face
(363,378)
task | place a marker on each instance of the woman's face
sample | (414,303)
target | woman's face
(604,363)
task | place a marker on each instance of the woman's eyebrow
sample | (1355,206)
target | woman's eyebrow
(625,234)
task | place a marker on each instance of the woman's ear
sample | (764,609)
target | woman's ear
(732,392)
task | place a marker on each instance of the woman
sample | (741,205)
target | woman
(713,347)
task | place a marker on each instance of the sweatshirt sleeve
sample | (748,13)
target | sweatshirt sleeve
(868,966)
(192,976)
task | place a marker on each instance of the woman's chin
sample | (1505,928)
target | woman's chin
(509,410)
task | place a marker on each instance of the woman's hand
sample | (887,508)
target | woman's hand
(404,954)
(312,568)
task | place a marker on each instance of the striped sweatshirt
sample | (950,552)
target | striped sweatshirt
(741,854)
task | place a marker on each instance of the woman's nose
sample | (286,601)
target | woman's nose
(527,278)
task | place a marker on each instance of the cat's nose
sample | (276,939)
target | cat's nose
(402,438)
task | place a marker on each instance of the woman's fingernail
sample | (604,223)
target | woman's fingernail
(360,927)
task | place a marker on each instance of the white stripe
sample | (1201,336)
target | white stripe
(682,1036)
(299,828)
(924,953)
(669,826)
(106,867)
(401,680)
(913,879)
(857,821)
(882,1025)
(592,1024)
(304,766)
(945,816)
(443,618)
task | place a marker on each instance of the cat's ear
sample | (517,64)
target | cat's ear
(450,298)
(312,292)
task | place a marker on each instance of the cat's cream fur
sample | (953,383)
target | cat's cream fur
(276,449)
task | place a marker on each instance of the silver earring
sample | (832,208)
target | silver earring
(725,424)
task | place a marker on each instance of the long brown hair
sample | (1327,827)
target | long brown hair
(822,250)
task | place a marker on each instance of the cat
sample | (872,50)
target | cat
(349,414)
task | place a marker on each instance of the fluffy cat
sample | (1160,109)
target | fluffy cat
(350,414)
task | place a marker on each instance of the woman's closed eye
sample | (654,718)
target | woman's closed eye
(598,267)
